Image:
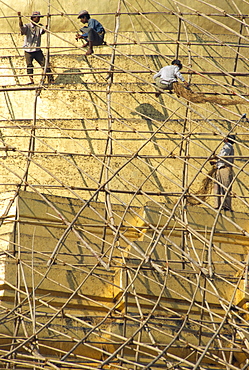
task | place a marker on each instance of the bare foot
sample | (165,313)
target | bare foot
(89,52)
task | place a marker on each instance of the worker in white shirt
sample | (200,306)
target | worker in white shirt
(167,75)
(32,44)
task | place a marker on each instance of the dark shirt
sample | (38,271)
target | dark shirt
(96,25)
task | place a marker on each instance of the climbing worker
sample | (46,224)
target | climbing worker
(166,77)
(32,42)
(219,178)
(224,174)
(93,34)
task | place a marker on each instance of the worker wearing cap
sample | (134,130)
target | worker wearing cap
(167,75)
(93,34)
(224,174)
(32,43)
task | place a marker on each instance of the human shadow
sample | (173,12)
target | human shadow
(150,114)
(70,76)
(153,118)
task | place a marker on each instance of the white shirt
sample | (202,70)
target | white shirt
(32,41)
(226,150)
(169,74)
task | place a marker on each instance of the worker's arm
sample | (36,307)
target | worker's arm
(158,74)
(180,76)
(23,28)
(20,19)
(83,34)
(186,84)
(43,29)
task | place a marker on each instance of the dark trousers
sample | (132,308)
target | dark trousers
(224,176)
(93,36)
(39,57)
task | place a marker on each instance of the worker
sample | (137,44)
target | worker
(224,174)
(32,42)
(168,75)
(93,33)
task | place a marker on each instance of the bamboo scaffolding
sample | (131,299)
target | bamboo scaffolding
(40,309)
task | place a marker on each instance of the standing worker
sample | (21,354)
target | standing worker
(32,43)
(166,77)
(224,174)
(93,34)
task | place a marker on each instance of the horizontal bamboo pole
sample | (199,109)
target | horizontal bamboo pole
(119,191)
(210,14)
(155,42)
(38,87)
(84,71)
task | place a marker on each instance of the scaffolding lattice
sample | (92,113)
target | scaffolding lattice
(105,264)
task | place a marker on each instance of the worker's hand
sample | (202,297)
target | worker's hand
(213,160)
(19,14)
(77,37)
(186,84)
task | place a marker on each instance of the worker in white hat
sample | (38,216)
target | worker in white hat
(32,43)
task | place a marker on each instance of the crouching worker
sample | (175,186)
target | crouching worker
(93,33)
(32,43)
(166,77)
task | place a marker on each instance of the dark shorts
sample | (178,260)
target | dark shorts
(39,57)
(34,55)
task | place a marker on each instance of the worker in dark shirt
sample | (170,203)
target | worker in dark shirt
(93,34)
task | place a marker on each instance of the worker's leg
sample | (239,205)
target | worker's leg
(90,48)
(84,33)
(162,86)
(226,175)
(217,189)
(39,57)
(94,39)
(30,68)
